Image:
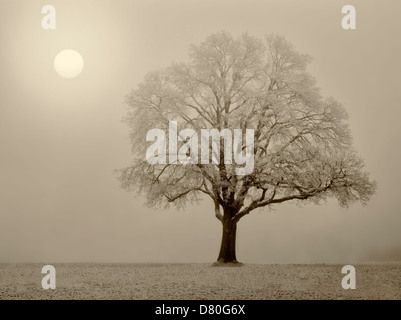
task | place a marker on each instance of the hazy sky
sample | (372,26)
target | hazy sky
(61,139)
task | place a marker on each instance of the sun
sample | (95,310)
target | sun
(69,64)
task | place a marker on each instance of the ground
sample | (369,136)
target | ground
(199,281)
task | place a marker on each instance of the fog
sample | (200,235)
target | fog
(61,139)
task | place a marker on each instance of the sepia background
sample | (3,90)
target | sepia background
(61,140)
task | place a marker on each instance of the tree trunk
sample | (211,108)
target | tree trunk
(227,248)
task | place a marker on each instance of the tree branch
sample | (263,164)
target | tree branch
(178,196)
(259,204)
(217,211)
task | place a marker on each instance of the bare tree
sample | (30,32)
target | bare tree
(302,148)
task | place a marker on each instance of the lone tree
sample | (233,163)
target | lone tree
(302,143)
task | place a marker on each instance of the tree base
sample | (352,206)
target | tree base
(234,263)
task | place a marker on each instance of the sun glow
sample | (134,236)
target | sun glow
(69,64)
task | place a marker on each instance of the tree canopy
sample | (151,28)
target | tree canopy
(302,144)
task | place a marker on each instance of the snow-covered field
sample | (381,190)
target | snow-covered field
(199,281)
